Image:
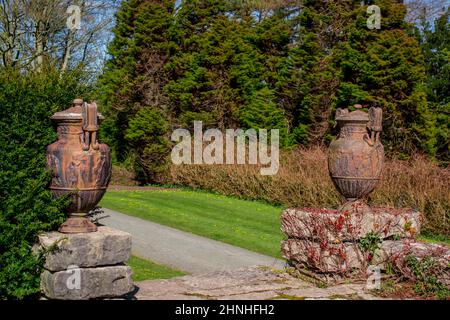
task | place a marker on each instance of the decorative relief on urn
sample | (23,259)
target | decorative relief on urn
(355,158)
(80,164)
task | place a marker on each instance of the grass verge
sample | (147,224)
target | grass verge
(440,239)
(147,270)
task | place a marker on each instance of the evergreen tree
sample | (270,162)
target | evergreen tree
(385,68)
(351,63)
(436,49)
(146,134)
(224,69)
(262,113)
(308,81)
(271,64)
(269,40)
(200,86)
(135,76)
(117,82)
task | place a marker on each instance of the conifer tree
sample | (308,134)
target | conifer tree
(271,64)
(436,49)
(224,68)
(385,68)
(354,64)
(117,81)
(134,79)
(200,86)
(308,82)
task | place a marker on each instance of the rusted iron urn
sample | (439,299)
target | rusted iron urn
(80,165)
(355,159)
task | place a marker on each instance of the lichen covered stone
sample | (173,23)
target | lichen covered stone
(87,283)
(105,247)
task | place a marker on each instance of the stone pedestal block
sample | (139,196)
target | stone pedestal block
(336,226)
(346,257)
(398,254)
(320,257)
(87,283)
(337,241)
(105,247)
(86,265)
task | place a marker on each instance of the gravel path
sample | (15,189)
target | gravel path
(184,251)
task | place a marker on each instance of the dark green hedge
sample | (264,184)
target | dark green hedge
(26,205)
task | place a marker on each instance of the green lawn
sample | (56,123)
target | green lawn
(147,270)
(441,239)
(247,224)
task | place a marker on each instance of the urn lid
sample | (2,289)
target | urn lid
(73,113)
(343,115)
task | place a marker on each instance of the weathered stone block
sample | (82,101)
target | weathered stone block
(105,247)
(345,257)
(336,226)
(87,283)
(397,253)
(321,257)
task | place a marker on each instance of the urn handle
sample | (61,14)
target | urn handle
(375,124)
(90,126)
(368,140)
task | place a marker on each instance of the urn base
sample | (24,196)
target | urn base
(77,224)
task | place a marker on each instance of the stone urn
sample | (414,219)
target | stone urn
(355,158)
(80,165)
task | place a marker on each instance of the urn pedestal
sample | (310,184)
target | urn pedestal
(355,239)
(83,261)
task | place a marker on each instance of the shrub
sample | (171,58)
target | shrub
(146,134)
(26,205)
(425,273)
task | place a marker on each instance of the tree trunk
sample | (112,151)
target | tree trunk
(67,51)
(40,46)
